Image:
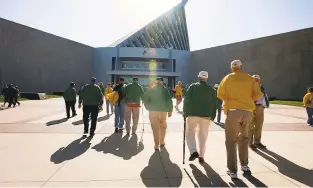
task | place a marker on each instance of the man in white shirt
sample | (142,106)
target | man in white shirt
(255,131)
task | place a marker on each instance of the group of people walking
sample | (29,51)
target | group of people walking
(10,95)
(240,95)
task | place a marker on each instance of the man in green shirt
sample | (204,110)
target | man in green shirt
(133,94)
(158,101)
(91,97)
(69,96)
(200,105)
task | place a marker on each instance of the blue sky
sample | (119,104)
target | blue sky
(211,23)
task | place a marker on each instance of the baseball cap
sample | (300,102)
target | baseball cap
(72,83)
(215,85)
(159,79)
(203,74)
(236,63)
(256,76)
(93,79)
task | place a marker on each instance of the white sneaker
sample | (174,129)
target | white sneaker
(245,169)
(232,175)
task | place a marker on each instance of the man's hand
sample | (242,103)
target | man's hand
(79,106)
(169,114)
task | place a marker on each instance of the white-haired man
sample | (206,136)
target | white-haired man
(238,90)
(255,132)
(200,108)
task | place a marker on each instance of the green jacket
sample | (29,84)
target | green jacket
(133,93)
(91,95)
(200,100)
(158,98)
(69,94)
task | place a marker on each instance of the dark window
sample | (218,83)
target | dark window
(113,63)
(174,65)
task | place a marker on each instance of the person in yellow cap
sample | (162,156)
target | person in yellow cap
(255,132)
(308,104)
(238,91)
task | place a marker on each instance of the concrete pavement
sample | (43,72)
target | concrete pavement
(39,148)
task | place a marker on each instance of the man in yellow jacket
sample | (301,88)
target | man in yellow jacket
(308,104)
(238,91)
(108,90)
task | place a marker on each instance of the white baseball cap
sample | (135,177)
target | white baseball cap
(203,74)
(235,63)
(256,76)
(215,85)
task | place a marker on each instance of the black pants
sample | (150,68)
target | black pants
(11,101)
(93,112)
(16,101)
(70,105)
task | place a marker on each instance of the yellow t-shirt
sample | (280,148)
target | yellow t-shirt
(178,90)
(239,91)
(308,100)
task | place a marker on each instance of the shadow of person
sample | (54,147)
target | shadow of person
(172,169)
(150,175)
(210,179)
(73,150)
(104,118)
(79,122)
(220,124)
(288,168)
(55,122)
(120,146)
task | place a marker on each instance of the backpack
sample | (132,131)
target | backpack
(112,97)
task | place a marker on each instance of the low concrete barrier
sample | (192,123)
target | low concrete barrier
(33,96)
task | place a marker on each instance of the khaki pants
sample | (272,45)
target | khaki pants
(131,112)
(194,125)
(237,126)
(255,131)
(158,125)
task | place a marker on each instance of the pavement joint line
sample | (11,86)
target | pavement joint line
(166,175)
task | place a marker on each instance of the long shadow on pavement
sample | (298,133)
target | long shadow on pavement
(125,147)
(55,122)
(288,168)
(172,169)
(210,179)
(73,150)
(220,124)
(103,118)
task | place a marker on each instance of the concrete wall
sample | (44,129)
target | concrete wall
(284,62)
(37,61)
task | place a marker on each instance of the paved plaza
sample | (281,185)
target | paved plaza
(39,148)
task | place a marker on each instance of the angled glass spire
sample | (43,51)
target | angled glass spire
(168,31)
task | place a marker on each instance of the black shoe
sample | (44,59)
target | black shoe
(116,130)
(253,147)
(85,132)
(194,156)
(92,134)
(74,115)
(68,117)
(201,160)
(261,146)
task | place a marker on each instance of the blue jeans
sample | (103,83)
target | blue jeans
(309,111)
(119,110)
(107,106)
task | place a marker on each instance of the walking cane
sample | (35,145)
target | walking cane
(184,139)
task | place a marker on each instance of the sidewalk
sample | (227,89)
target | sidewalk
(39,148)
